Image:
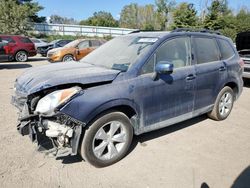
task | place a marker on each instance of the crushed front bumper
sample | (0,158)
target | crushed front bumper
(37,127)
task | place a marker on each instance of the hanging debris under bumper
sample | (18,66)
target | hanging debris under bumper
(58,134)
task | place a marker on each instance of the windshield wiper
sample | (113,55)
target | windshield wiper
(121,67)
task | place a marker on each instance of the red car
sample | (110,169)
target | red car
(18,48)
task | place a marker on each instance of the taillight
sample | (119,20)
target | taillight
(241,63)
(7,49)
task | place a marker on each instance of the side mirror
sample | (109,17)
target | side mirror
(164,67)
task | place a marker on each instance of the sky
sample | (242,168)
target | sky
(82,9)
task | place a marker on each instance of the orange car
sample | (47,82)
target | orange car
(74,50)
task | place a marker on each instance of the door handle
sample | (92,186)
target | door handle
(222,68)
(190,77)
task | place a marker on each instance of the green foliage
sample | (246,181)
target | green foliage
(243,20)
(148,17)
(162,11)
(185,16)
(34,8)
(129,16)
(15,16)
(101,18)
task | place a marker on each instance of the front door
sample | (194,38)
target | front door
(169,98)
(83,49)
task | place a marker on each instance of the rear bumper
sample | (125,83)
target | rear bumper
(246,72)
(32,53)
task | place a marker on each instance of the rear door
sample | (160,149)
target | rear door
(26,44)
(211,71)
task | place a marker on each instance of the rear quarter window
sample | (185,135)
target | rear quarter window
(25,40)
(206,50)
(226,49)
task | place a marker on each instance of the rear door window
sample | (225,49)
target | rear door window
(226,49)
(25,40)
(206,50)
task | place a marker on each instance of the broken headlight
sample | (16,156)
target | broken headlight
(48,103)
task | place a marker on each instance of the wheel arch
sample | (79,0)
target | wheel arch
(19,50)
(68,54)
(234,86)
(125,106)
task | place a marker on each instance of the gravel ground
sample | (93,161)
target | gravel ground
(198,153)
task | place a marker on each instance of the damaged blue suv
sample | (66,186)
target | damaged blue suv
(131,85)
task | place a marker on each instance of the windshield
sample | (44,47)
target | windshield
(72,44)
(121,52)
(54,41)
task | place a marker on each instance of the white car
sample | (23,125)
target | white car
(243,47)
(39,42)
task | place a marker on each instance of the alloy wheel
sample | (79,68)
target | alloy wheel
(109,140)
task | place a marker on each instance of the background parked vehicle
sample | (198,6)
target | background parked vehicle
(18,48)
(74,50)
(54,44)
(39,42)
(243,47)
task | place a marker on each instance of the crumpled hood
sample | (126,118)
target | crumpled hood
(39,78)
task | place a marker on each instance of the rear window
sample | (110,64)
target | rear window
(8,39)
(25,40)
(206,50)
(226,49)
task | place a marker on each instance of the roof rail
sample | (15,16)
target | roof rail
(196,30)
(135,31)
(138,31)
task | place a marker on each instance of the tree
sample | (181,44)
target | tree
(129,16)
(217,12)
(56,19)
(163,9)
(35,7)
(15,16)
(243,20)
(101,18)
(184,16)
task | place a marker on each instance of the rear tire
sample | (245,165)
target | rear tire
(107,139)
(21,56)
(223,104)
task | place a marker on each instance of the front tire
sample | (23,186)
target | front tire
(223,105)
(21,56)
(107,140)
(68,58)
